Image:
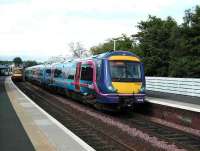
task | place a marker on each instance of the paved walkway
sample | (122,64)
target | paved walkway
(12,134)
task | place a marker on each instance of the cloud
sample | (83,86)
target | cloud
(45,27)
(102,5)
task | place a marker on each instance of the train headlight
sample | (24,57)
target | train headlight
(91,86)
(85,93)
(142,90)
(111,88)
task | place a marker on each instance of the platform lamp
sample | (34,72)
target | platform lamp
(114,44)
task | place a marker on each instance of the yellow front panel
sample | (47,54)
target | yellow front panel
(124,58)
(127,87)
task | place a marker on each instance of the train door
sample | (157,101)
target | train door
(87,79)
(52,75)
(77,77)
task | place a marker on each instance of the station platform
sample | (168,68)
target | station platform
(26,127)
(175,104)
(186,115)
(184,102)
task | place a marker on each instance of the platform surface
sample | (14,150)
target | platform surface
(12,133)
(26,127)
(174,103)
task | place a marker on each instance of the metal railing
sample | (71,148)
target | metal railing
(183,86)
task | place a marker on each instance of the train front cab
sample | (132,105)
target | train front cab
(17,74)
(121,82)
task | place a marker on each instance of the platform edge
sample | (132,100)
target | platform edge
(61,126)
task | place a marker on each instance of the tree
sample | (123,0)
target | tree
(78,50)
(5,62)
(186,60)
(122,43)
(30,63)
(17,61)
(155,44)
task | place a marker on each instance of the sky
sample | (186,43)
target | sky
(39,29)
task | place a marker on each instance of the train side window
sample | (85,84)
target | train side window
(41,72)
(66,72)
(72,72)
(48,72)
(87,73)
(34,72)
(57,73)
(71,76)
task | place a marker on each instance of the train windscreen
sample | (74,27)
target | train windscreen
(125,71)
(18,71)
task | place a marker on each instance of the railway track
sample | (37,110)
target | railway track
(173,136)
(89,133)
(101,140)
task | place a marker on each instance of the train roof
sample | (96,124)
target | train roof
(115,53)
(94,57)
(107,55)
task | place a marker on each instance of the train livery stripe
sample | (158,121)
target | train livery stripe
(130,58)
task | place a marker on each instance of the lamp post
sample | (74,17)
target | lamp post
(114,45)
